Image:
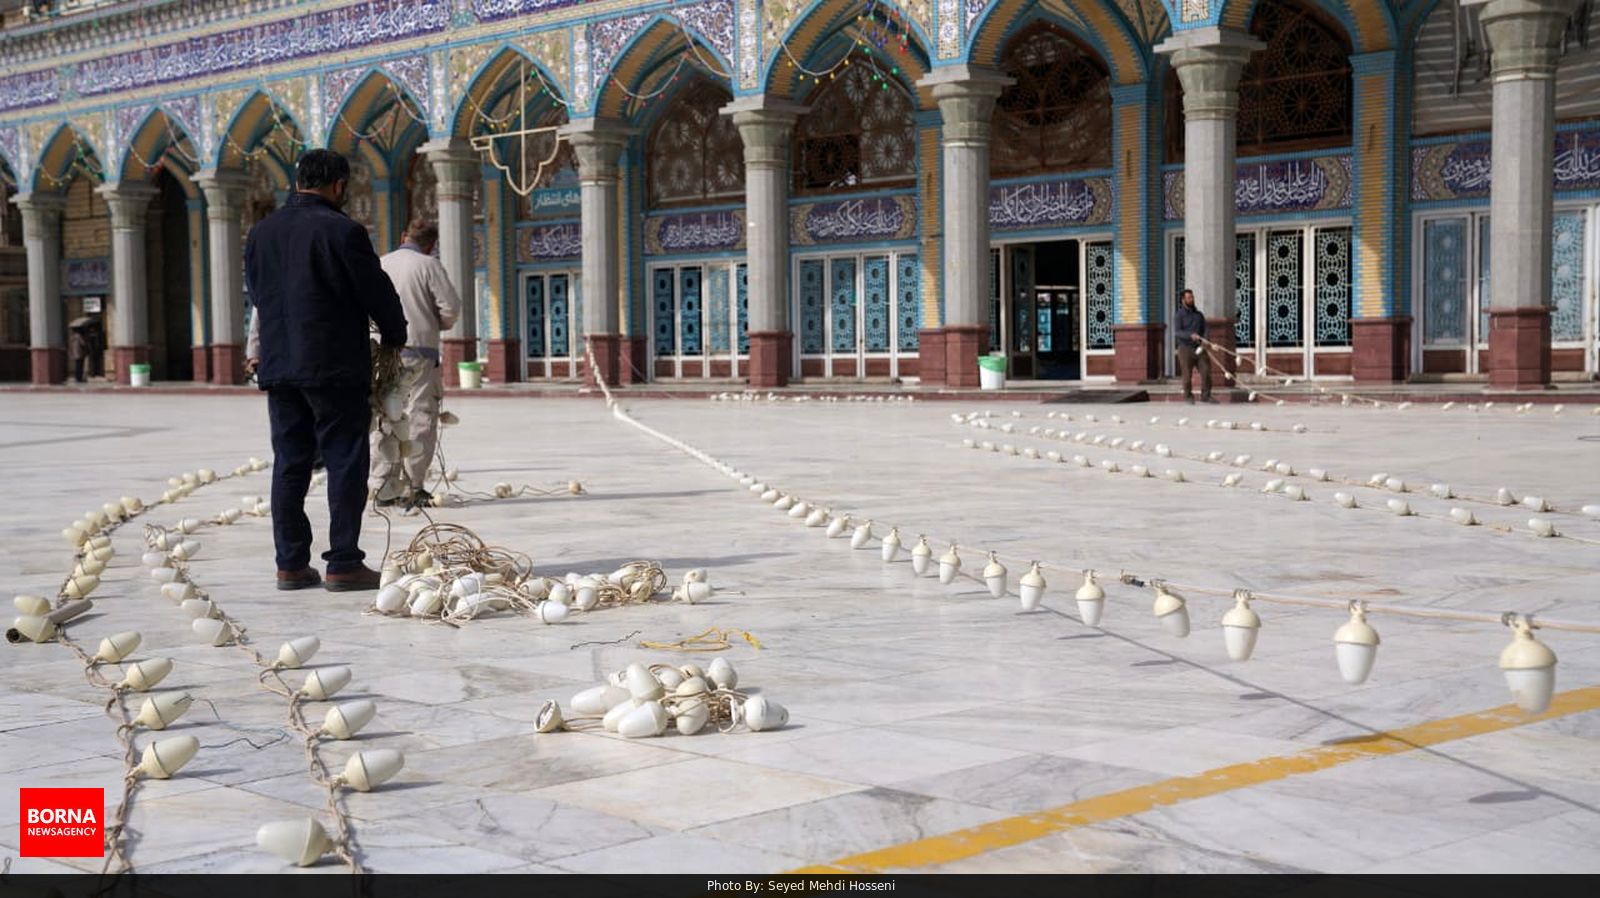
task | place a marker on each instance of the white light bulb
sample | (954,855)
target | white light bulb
(1240,627)
(1172,612)
(994,576)
(1529,666)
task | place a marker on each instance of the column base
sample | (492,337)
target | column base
(963,343)
(1224,363)
(771,354)
(123,356)
(505,362)
(607,349)
(1138,348)
(49,365)
(1380,349)
(452,352)
(200,362)
(227,364)
(1519,348)
(634,360)
(930,356)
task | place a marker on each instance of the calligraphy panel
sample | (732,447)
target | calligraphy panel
(534,297)
(1314,184)
(853,221)
(695,232)
(1331,291)
(1451,171)
(1049,204)
(1444,281)
(908,302)
(547,243)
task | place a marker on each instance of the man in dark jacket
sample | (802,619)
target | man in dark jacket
(315,283)
(1188,330)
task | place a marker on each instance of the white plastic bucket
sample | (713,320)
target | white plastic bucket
(470,374)
(992,372)
(139,375)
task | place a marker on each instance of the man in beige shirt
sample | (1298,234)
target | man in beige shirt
(431,305)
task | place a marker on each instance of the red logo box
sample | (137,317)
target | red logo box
(63,823)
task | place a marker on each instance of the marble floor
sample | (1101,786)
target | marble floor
(917,709)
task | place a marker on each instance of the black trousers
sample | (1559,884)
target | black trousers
(306,421)
(1190,356)
(77,369)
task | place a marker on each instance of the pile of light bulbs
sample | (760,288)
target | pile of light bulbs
(644,701)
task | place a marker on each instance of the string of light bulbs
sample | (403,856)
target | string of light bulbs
(1528,664)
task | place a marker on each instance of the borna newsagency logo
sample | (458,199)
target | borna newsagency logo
(63,822)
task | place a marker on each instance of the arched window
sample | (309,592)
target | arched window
(1057,116)
(858,135)
(695,154)
(1295,94)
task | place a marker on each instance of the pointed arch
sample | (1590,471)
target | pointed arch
(833,31)
(662,50)
(1099,24)
(1056,115)
(500,75)
(159,141)
(65,155)
(382,113)
(1370,24)
(263,124)
(692,151)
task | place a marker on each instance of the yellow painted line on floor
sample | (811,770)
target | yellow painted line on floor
(977,840)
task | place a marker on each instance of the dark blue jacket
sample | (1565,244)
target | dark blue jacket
(1186,324)
(316,282)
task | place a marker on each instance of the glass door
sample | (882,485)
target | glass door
(552,327)
(859,313)
(699,316)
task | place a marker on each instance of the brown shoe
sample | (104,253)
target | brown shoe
(305,578)
(359,580)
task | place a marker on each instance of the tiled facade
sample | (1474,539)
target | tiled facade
(1362,252)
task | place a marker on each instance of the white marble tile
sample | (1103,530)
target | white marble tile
(1030,783)
(681,853)
(521,763)
(1110,848)
(1182,751)
(871,756)
(694,792)
(534,828)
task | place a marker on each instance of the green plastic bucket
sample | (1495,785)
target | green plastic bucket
(991,372)
(469,375)
(139,374)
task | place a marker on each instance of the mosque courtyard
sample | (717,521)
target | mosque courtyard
(931,727)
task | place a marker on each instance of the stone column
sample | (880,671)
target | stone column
(1209,62)
(130,316)
(225,193)
(598,144)
(41,237)
(966,97)
(1524,42)
(765,125)
(456,169)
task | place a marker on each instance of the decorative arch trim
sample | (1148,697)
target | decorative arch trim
(810,33)
(630,50)
(486,81)
(58,154)
(1091,21)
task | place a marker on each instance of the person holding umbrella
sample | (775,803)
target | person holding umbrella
(78,346)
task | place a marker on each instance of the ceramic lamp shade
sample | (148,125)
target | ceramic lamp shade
(642,684)
(32,628)
(949,566)
(321,685)
(599,699)
(300,842)
(80,586)
(118,646)
(1091,600)
(367,770)
(613,717)
(650,718)
(1030,589)
(549,719)
(390,599)
(155,559)
(200,608)
(1346,500)
(861,536)
(692,717)
(921,556)
(165,757)
(31,606)
(1172,612)
(1530,668)
(298,652)
(722,674)
(346,719)
(891,546)
(176,591)
(994,576)
(1542,527)
(160,711)
(1240,627)
(838,526)
(213,631)
(761,713)
(1355,646)
(143,676)
(552,612)
(816,517)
